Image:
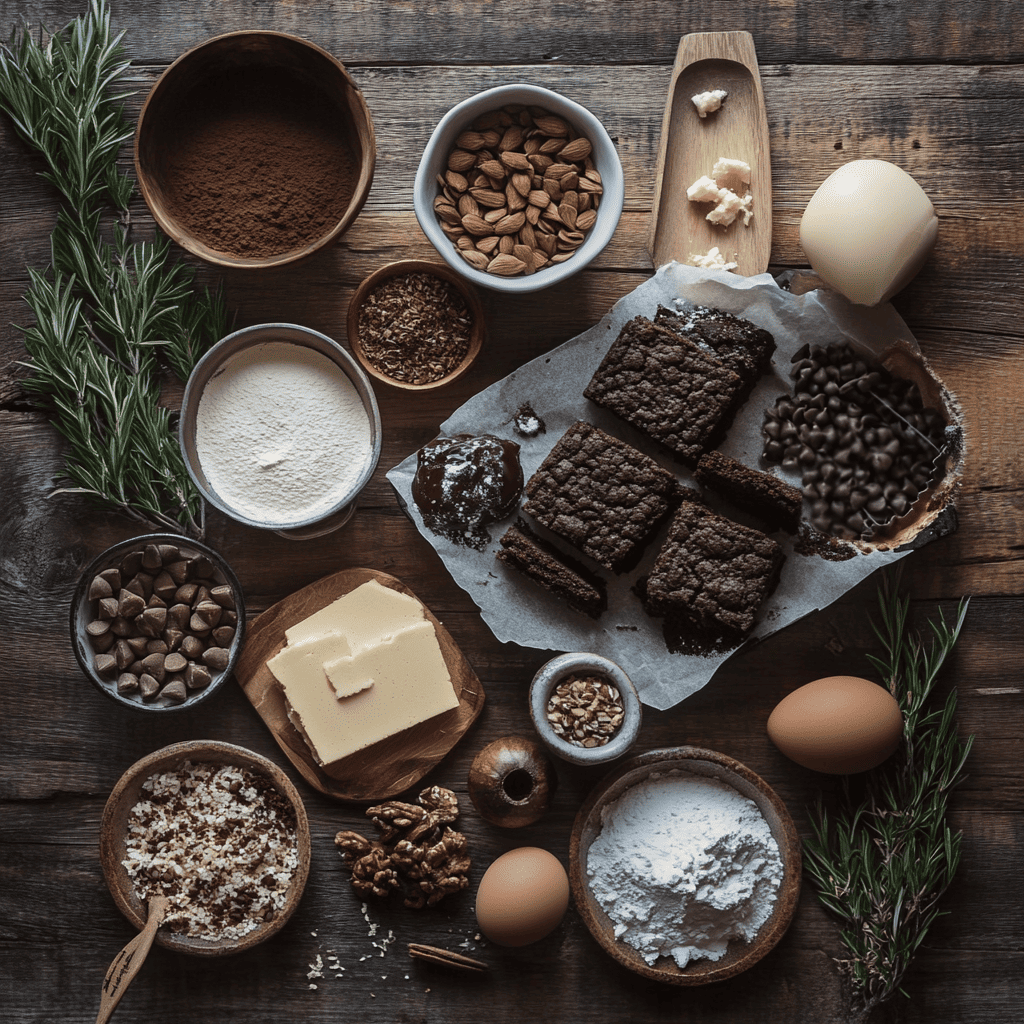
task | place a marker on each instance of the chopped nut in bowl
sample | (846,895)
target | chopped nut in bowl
(157,622)
(217,829)
(585,708)
(415,325)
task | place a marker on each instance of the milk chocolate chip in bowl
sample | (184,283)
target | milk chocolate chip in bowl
(157,622)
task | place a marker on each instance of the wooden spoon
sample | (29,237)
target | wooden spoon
(129,961)
(691,145)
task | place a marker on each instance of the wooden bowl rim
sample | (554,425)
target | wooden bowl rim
(360,112)
(124,796)
(739,957)
(79,602)
(441,270)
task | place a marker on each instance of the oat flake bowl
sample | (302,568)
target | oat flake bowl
(242,901)
(255,149)
(436,161)
(714,777)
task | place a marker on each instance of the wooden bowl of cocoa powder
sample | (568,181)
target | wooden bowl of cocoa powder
(255,149)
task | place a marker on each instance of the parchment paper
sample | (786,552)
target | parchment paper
(517,610)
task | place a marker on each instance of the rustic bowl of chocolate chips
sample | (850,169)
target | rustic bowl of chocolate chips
(157,622)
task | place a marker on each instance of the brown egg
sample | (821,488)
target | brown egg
(522,896)
(839,725)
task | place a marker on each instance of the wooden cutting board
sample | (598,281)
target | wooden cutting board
(690,145)
(384,768)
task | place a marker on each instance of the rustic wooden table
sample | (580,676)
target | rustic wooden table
(937,88)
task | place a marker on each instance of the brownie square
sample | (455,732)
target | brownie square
(742,346)
(761,494)
(712,574)
(601,495)
(669,387)
(552,569)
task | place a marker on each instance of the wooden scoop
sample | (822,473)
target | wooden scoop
(690,145)
(129,961)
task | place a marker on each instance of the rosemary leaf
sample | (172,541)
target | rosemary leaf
(105,309)
(883,858)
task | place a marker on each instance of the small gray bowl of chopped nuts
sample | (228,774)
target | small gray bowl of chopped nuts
(585,708)
(157,622)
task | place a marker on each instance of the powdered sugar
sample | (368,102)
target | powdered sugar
(682,865)
(282,433)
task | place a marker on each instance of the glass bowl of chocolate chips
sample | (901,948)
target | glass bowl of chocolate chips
(157,622)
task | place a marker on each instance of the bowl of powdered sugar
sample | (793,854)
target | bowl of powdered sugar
(280,429)
(685,866)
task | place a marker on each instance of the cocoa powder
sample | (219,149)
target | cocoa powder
(259,163)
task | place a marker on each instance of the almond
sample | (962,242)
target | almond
(512,139)
(552,146)
(457,181)
(468,205)
(514,199)
(493,169)
(476,225)
(470,140)
(493,216)
(551,125)
(539,197)
(567,213)
(505,265)
(522,182)
(475,258)
(585,220)
(488,197)
(506,244)
(511,224)
(559,170)
(578,149)
(516,161)
(488,244)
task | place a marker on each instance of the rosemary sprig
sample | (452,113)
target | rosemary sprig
(104,308)
(883,859)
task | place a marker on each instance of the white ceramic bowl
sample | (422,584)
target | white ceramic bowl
(434,162)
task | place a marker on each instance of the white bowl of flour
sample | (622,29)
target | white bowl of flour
(280,429)
(685,866)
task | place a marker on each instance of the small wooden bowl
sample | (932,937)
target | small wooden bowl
(114,826)
(204,69)
(385,273)
(709,764)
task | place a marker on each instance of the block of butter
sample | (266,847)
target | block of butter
(364,668)
(868,229)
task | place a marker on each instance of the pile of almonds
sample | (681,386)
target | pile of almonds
(163,623)
(520,191)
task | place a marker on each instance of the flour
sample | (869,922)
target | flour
(281,433)
(682,865)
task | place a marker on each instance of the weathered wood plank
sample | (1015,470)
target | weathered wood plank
(617,31)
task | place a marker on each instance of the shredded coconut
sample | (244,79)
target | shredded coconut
(281,433)
(220,843)
(682,865)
